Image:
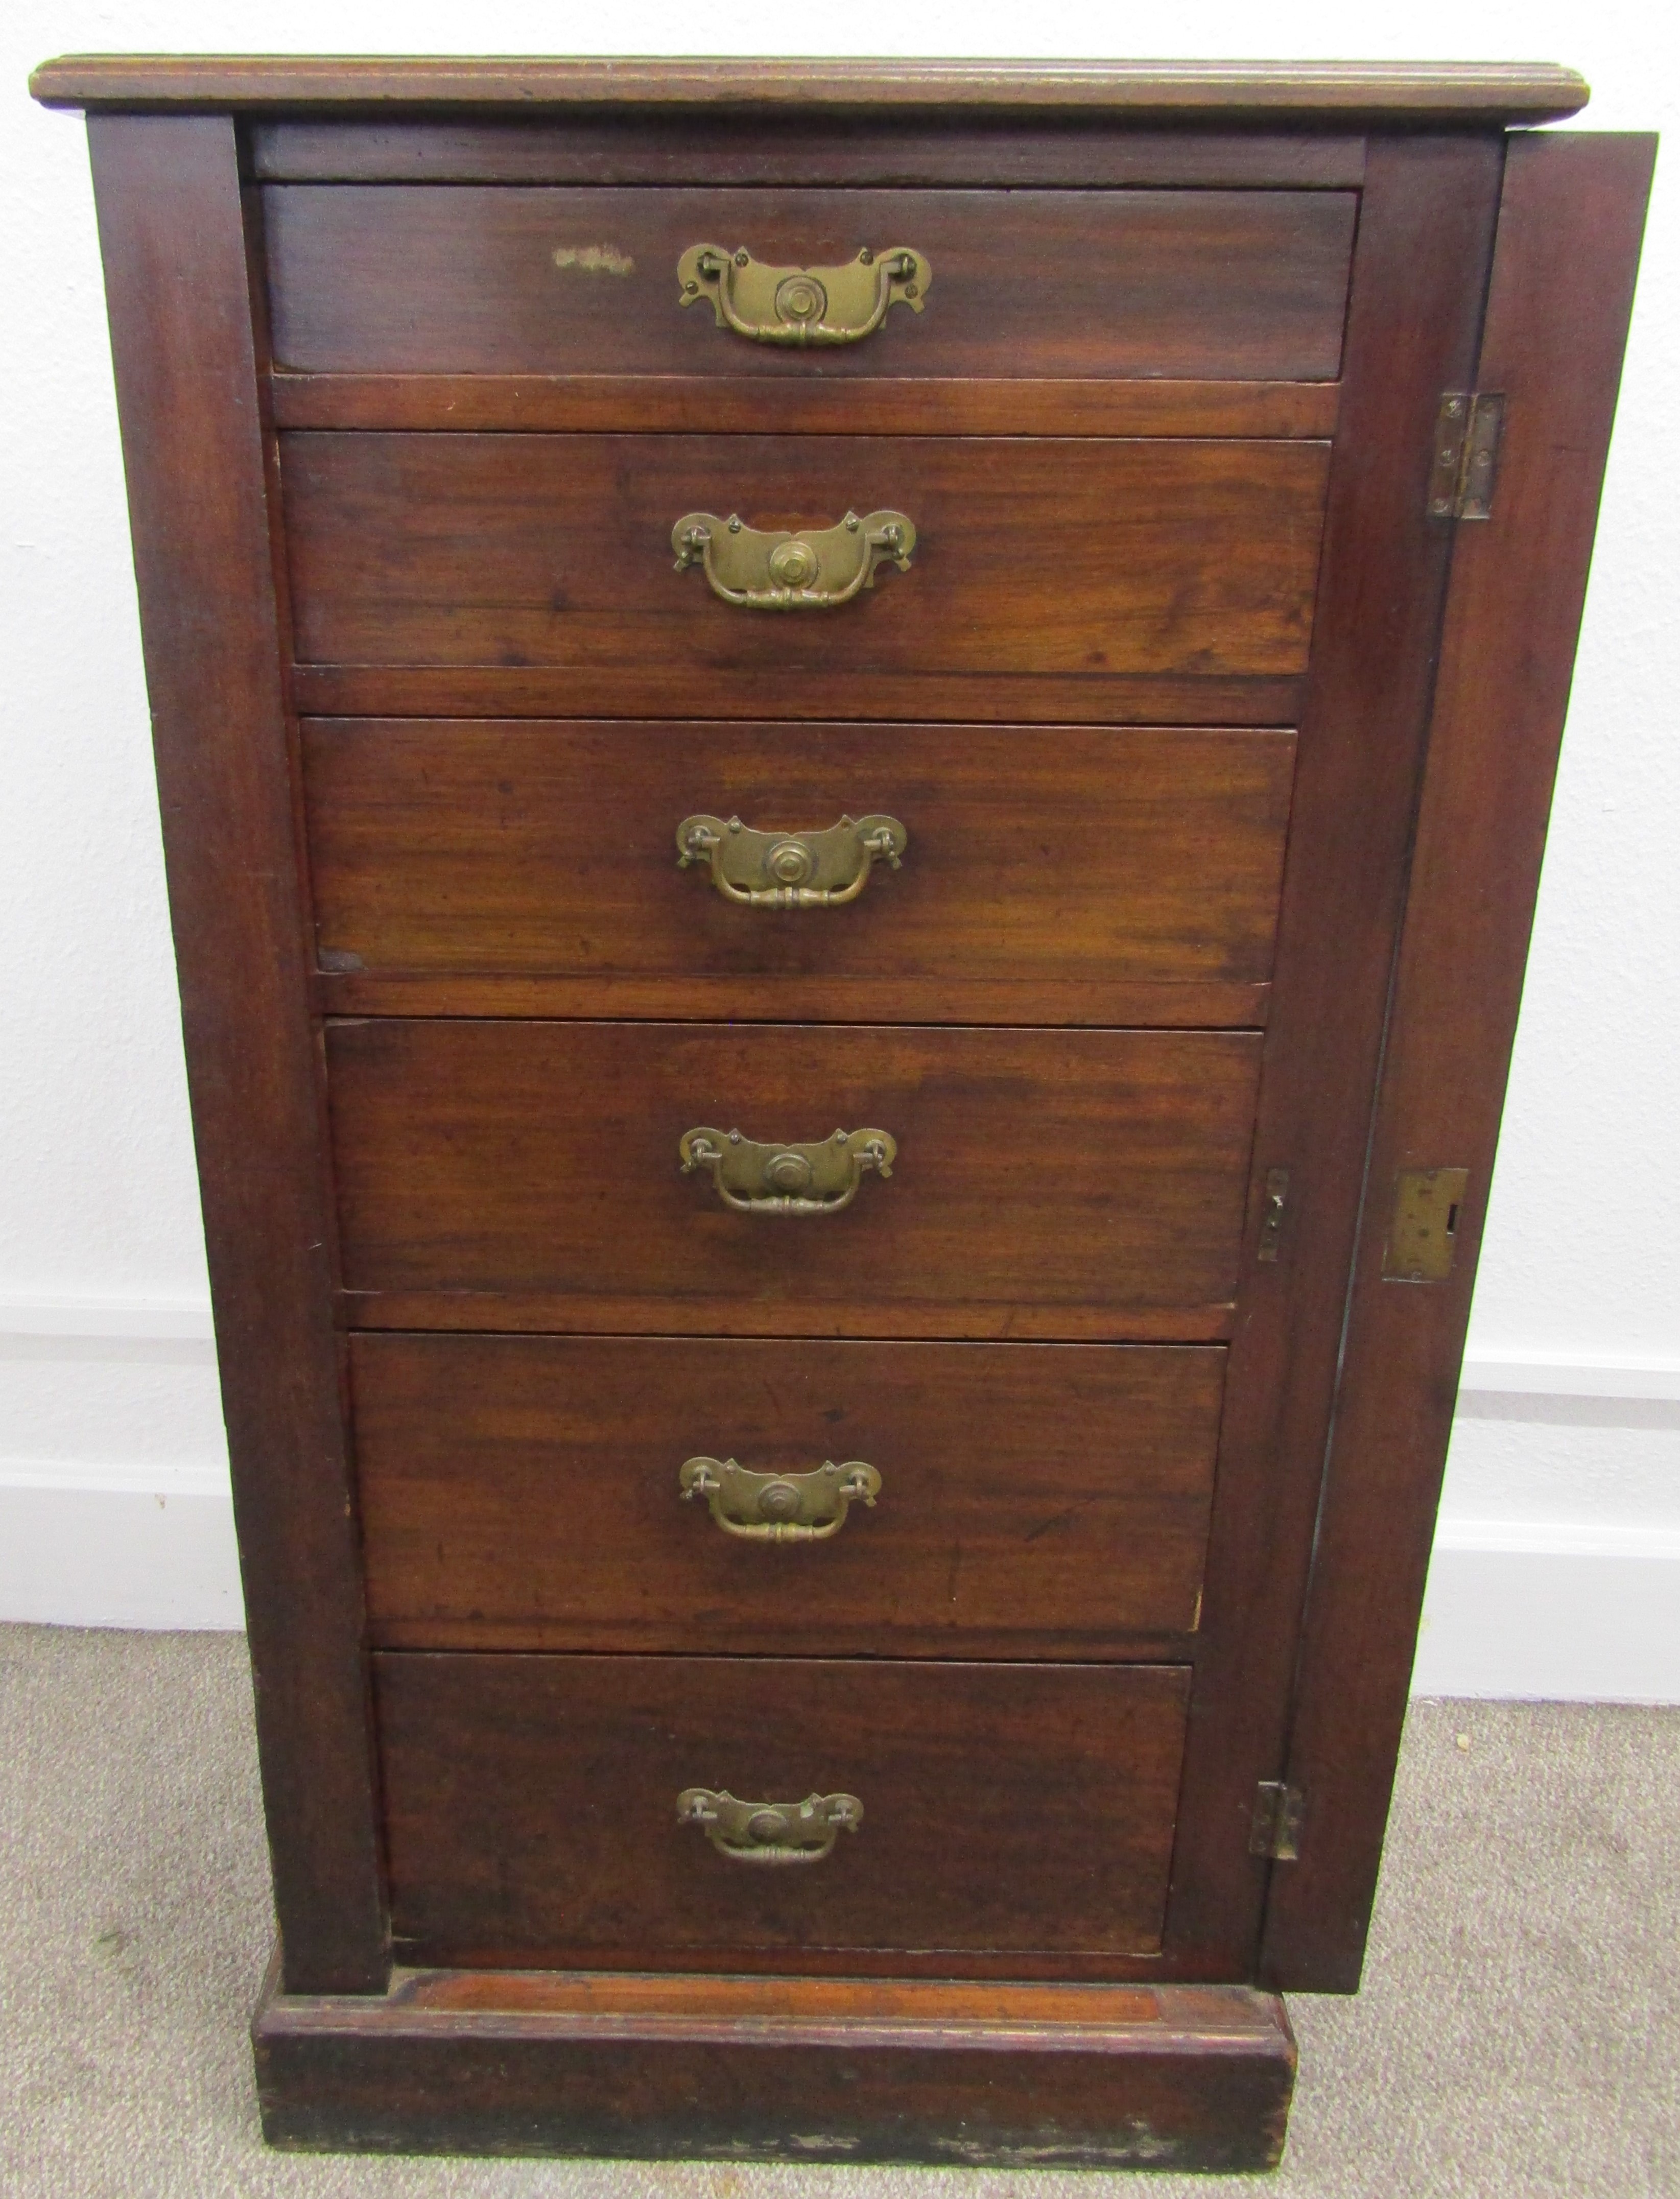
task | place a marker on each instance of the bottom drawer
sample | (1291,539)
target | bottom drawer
(533,1806)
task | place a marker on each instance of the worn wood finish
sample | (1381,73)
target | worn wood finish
(1567,251)
(1078,563)
(522,1493)
(702,2069)
(1056,1657)
(169,222)
(1048,1183)
(1480,92)
(461,279)
(531,1814)
(1058,873)
(754,406)
(905,150)
(1426,232)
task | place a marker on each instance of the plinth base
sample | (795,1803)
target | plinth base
(760,2068)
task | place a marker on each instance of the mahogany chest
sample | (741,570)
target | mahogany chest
(854,759)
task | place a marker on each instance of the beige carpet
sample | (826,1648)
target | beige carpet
(1519,2032)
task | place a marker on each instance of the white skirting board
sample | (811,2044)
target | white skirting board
(1554,1613)
(117,1556)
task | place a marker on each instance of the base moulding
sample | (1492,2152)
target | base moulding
(774,2068)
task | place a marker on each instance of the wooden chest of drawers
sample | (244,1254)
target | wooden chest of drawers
(852,764)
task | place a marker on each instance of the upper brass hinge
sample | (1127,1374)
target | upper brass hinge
(1466,454)
(1279,1811)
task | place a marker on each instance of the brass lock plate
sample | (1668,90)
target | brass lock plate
(1423,1233)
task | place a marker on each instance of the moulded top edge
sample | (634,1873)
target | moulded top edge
(1487,92)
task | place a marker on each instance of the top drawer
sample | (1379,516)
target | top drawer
(1051,284)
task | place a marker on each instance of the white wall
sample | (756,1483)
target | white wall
(1559,1557)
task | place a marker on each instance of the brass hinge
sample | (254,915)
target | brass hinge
(1466,454)
(1275,1832)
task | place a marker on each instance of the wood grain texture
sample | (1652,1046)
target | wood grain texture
(699,2068)
(1078,562)
(1466,91)
(174,253)
(754,404)
(1047,870)
(492,691)
(531,1805)
(1048,1183)
(522,1493)
(463,279)
(1207,1003)
(693,145)
(1567,251)
(1426,233)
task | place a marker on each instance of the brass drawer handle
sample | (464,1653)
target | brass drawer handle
(780,1508)
(803,305)
(809,1179)
(790,869)
(769,1832)
(816,569)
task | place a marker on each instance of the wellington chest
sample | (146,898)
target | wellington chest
(853,760)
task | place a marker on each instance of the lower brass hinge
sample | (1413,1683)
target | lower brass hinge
(1466,454)
(1279,1810)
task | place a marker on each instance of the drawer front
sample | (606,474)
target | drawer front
(532,1805)
(452,279)
(1042,872)
(528,1493)
(1072,1184)
(1083,565)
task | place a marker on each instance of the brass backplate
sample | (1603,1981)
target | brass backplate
(790,869)
(769,1832)
(816,569)
(756,1177)
(802,305)
(1423,1235)
(807,1507)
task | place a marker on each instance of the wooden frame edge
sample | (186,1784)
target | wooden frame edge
(749,2068)
(1565,257)
(171,231)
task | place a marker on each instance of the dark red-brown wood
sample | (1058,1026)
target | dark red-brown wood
(1034,2076)
(1037,1500)
(1567,251)
(1045,573)
(463,279)
(1056,875)
(1084,1185)
(174,252)
(753,404)
(531,1806)
(495,690)
(1467,93)
(908,151)
(1426,232)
